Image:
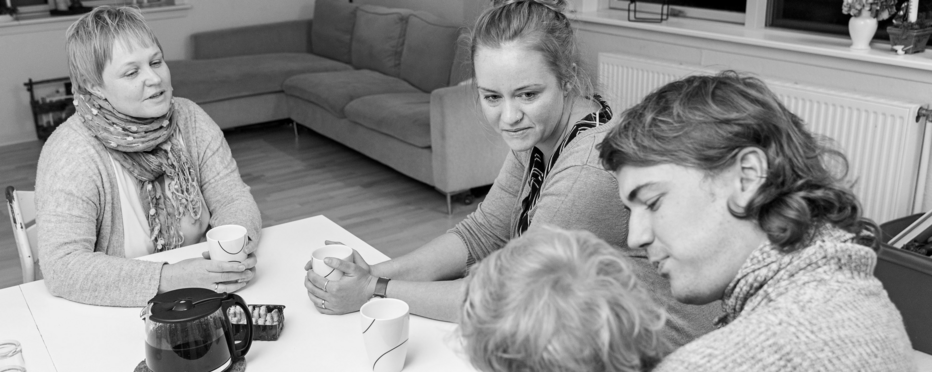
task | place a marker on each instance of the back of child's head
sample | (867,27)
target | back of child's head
(557,300)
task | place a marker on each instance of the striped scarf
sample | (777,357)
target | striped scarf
(148,148)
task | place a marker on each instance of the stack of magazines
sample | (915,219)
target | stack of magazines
(917,237)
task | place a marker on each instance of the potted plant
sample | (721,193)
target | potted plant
(7,12)
(864,17)
(911,29)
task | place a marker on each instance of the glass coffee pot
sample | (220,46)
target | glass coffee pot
(188,330)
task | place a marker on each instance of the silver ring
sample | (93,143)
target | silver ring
(323,304)
(216,286)
(325,285)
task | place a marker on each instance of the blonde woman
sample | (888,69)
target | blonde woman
(532,89)
(135,171)
(555,300)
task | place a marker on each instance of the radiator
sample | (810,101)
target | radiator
(887,147)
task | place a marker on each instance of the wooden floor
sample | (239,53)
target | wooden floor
(292,178)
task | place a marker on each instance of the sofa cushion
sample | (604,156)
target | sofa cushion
(405,116)
(378,38)
(218,79)
(429,48)
(332,29)
(333,90)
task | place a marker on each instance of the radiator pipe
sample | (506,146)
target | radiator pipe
(924,112)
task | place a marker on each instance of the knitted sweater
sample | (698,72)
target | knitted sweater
(80,220)
(819,308)
(578,194)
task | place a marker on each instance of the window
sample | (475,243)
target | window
(821,16)
(723,10)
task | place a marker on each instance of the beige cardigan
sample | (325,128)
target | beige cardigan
(79,214)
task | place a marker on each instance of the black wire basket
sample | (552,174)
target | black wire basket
(50,112)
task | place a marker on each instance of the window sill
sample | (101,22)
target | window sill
(782,40)
(62,22)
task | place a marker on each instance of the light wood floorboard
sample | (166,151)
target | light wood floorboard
(292,178)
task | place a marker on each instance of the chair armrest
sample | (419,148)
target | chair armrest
(281,37)
(467,152)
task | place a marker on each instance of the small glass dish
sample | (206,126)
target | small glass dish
(11,356)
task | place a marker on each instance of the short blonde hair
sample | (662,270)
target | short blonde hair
(557,300)
(89,41)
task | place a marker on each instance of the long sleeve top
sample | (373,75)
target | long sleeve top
(577,194)
(79,218)
(819,308)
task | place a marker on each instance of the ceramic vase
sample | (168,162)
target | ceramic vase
(862,29)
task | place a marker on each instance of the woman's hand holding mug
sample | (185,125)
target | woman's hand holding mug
(343,295)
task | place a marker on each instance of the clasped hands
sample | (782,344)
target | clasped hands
(341,296)
(203,272)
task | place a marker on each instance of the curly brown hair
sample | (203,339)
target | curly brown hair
(704,121)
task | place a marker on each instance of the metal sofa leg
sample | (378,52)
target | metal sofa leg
(449,204)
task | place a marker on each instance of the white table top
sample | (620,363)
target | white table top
(18,325)
(83,337)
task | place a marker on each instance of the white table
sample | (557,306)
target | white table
(81,337)
(17,324)
(92,338)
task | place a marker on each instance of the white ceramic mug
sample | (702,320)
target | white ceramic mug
(227,243)
(385,323)
(334,250)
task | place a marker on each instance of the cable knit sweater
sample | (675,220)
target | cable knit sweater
(817,309)
(80,220)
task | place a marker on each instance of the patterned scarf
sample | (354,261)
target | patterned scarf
(769,272)
(148,148)
(538,169)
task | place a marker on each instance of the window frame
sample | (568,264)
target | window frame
(756,12)
(683,11)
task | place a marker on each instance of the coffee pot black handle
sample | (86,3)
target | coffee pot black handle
(237,351)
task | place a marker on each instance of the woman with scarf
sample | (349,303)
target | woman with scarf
(134,171)
(735,200)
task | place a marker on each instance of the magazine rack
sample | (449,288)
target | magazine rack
(49,112)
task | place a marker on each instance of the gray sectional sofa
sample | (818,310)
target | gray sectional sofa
(382,81)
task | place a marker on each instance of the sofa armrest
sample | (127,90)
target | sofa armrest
(281,37)
(467,152)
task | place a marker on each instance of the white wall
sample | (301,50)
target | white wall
(464,12)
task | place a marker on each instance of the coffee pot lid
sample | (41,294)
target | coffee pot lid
(184,305)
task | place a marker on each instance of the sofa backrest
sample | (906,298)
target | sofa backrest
(378,38)
(332,29)
(281,37)
(415,46)
(429,51)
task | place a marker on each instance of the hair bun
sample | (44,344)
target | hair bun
(554,5)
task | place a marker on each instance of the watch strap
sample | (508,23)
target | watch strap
(381,286)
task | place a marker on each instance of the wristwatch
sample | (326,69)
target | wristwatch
(381,286)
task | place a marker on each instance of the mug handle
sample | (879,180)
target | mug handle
(237,352)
